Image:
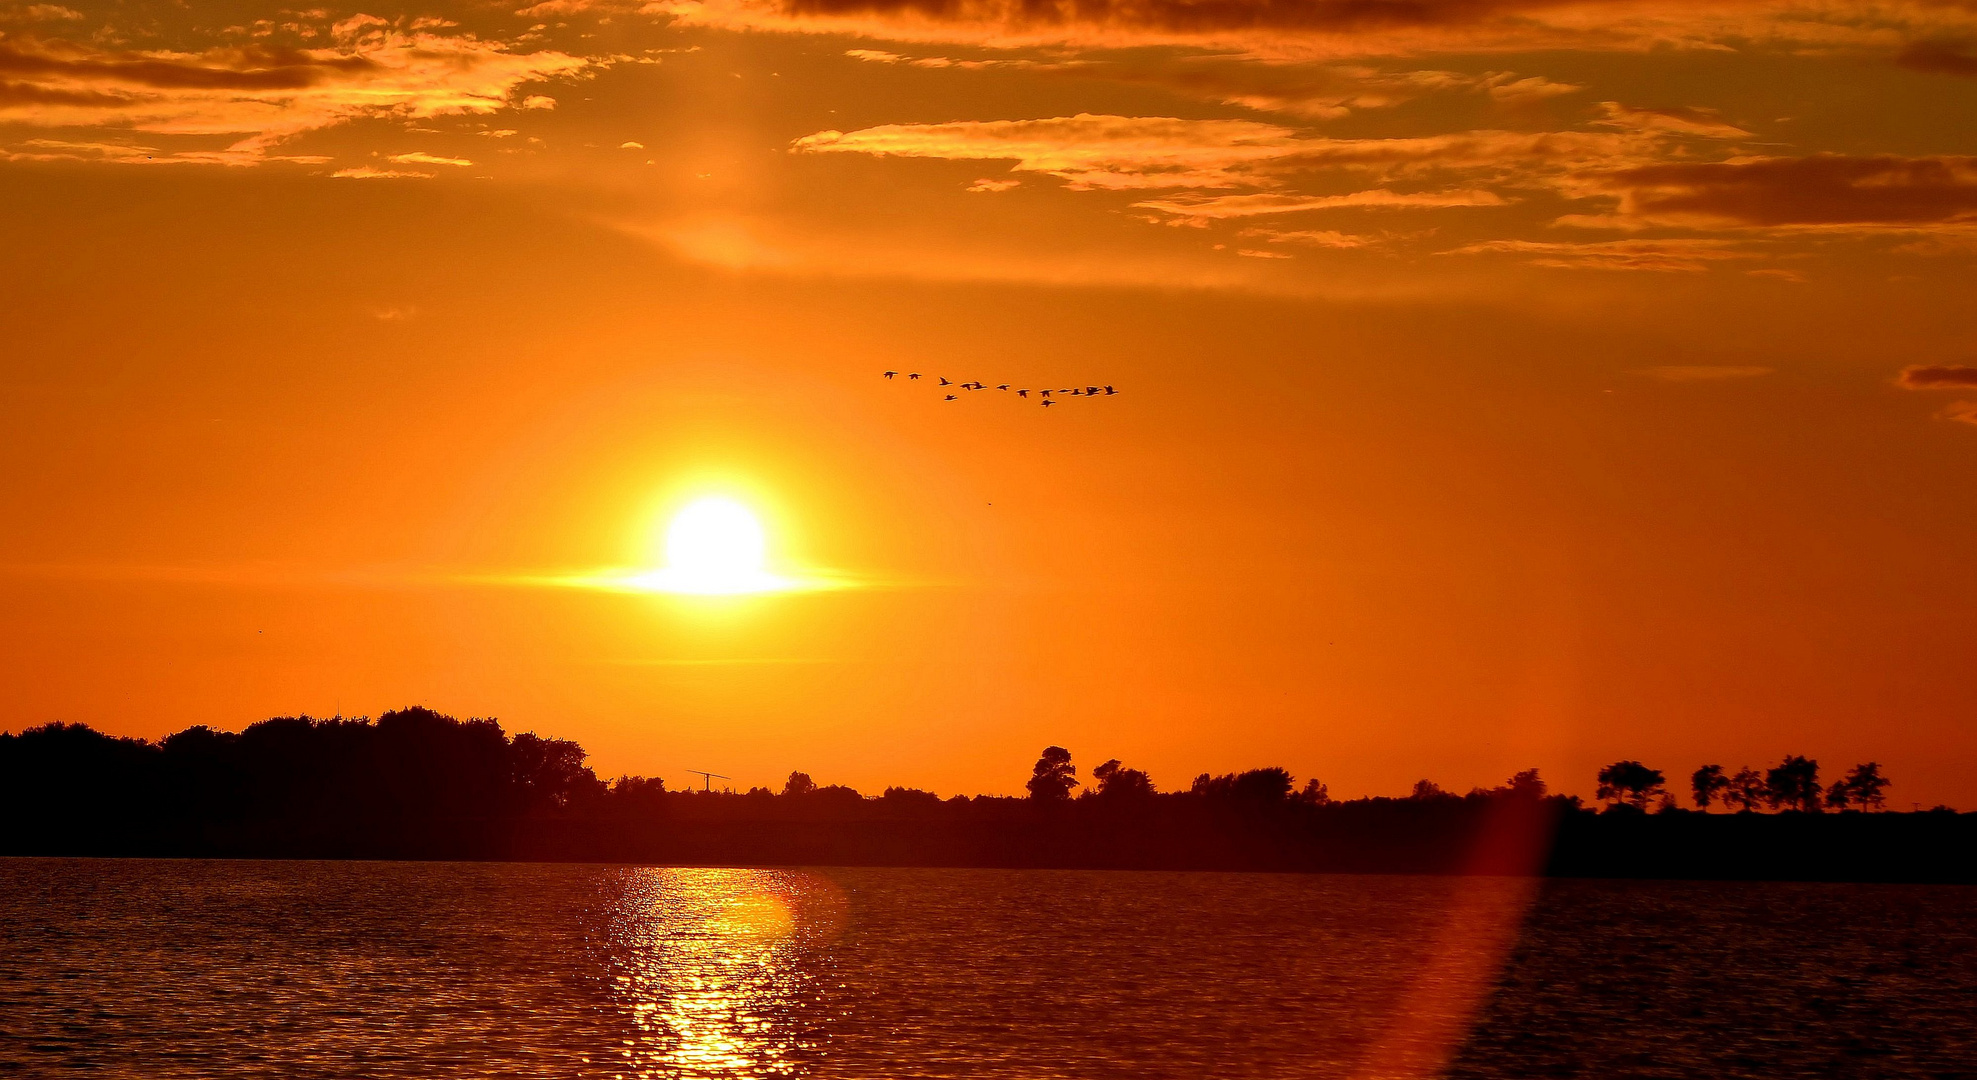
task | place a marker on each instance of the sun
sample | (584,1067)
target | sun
(715,546)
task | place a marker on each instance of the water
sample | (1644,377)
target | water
(200,969)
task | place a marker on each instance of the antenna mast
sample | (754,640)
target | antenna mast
(708,778)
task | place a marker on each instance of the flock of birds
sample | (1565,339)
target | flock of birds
(1045,396)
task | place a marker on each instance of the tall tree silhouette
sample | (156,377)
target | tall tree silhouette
(1115,781)
(1631,783)
(799,783)
(1793,784)
(1707,784)
(1053,777)
(1745,791)
(1864,787)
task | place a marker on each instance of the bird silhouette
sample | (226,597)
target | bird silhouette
(1090,390)
(950,397)
(1022,393)
(1047,402)
(914,375)
(890,374)
(1003,386)
(1109,391)
(945,382)
(1045,393)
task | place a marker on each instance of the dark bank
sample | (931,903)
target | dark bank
(415,784)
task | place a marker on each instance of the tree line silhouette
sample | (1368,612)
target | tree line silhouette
(1792,784)
(417,784)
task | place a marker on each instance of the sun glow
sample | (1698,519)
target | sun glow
(715,546)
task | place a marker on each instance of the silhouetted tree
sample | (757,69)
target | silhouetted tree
(1425,790)
(909,797)
(1269,785)
(1314,793)
(799,783)
(549,772)
(1707,783)
(1054,776)
(1115,781)
(1524,785)
(1521,785)
(1863,787)
(838,795)
(638,792)
(1745,791)
(1631,783)
(1794,785)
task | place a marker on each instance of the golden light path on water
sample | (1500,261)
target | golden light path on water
(709,965)
(726,972)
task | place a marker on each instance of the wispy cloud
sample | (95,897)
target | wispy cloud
(1938,377)
(1674,120)
(1704,372)
(1691,255)
(231,104)
(1354,28)
(1243,206)
(1822,190)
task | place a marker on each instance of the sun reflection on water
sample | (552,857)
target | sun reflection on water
(711,966)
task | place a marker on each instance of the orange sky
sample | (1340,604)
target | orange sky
(1503,385)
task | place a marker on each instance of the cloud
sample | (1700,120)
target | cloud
(366,172)
(1823,190)
(1318,29)
(1086,151)
(1963,412)
(420,157)
(1239,206)
(1678,121)
(1318,238)
(1703,372)
(1510,90)
(39,13)
(1313,91)
(1091,152)
(1938,377)
(1660,256)
(1939,57)
(233,103)
(991,187)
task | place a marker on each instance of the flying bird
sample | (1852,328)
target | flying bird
(890,374)
(950,397)
(1003,386)
(945,382)
(1109,391)
(915,375)
(1047,402)
(1045,393)
(1090,390)
(1022,393)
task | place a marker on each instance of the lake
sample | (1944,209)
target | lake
(162,969)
